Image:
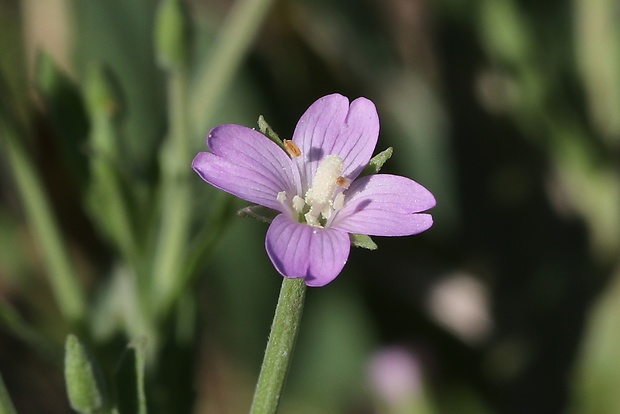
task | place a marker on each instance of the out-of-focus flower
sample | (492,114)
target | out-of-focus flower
(460,303)
(314,184)
(395,375)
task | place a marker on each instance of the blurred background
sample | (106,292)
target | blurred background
(507,110)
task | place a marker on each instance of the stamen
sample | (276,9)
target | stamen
(312,218)
(281,197)
(298,204)
(326,211)
(338,202)
(292,148)
(343,182)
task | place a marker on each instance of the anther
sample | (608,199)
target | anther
(343,182)
(292,148)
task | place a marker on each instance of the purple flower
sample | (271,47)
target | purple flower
(314,185)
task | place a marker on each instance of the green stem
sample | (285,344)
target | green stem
(280,347)
(233,42)
(169,261)
(64,281)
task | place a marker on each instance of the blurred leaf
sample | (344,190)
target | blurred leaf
(590,186)
(118,307)
(12,322)
(596,380)
(12,61)
(67,115)
(85,387)
(6,405)
(130,379)
(109,200)
(417,119)
(333,347)
(64,281)
(172,34)
(597,43)
(119,35)
(214,76)
(461,399)
(505,30)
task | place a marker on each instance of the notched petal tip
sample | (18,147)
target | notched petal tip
(385,205)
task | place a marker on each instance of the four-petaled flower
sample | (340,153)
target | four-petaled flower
(314,185)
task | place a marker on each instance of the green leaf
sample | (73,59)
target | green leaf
(130,379)
(64,281)
(103,93)
(266,129)
(171,34)
(67,114)
(85,387)
(259,213)
(363,241)
(376,162)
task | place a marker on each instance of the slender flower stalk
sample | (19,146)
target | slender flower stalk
(279,352)
(323,202)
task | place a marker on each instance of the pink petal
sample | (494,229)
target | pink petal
(331,126)
(246,164)
(299,250)
(385,205)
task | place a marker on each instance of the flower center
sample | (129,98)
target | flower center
(325,195)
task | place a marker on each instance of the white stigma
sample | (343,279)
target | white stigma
(320,197)
(325,181)
(323,198)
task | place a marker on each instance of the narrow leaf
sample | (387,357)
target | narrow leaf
(67,114)
(171,34)
(130,380)
(85,387)
(6,405)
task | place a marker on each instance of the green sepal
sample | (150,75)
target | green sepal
(259,213)
(85,387)
(362,240)
(376,162)
(266,130)
(129,379)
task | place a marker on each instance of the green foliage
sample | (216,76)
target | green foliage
(6,405)
(67,114)
(129,379)
(85,388)
(171,34)
(507,111)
